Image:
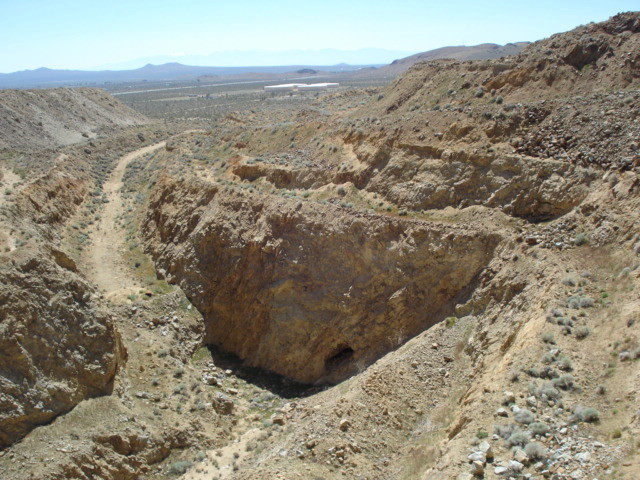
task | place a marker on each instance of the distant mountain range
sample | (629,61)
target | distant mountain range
(45,77)
(172,72)
(327,56)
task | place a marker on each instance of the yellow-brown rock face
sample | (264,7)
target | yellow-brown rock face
(307,290)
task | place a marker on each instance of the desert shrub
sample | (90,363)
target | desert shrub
(450,321)
(565,382)
(564,321)
(532,372)
(548,372)
(539,428)
(573,302)
(535,451)
(524,416)
(556,312)
(547,337)
(564,363)
(582,332)
(569,281)
(519,439)
(624,272)
(582,414)
(586,302)
(514,376)
(180,389)
(579,301)
(548,358)
(581,239)
(549,391)
(505,431)
(180,467)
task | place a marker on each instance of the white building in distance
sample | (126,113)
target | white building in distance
(300,87)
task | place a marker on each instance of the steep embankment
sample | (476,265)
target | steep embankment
(311,292)
(58,345)
(530,377)
(31,119)
(462,259)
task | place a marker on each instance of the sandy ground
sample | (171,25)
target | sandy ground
(104,260)
(9,179)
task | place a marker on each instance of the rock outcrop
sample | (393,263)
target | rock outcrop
(309,291)
(523,187)
(57,347)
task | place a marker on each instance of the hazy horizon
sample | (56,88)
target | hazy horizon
(257,58)
(76,35)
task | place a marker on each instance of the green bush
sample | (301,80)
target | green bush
(180,467)
(450,321)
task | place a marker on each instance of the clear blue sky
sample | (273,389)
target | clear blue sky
(83,34)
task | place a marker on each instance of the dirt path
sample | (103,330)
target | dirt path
(105,266)
(8,182)
(223,462)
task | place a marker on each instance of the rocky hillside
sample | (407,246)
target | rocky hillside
(60,344)
(485,51)
(438,280)
(62,116)
(535,159)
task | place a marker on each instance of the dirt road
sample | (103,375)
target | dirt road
(106,267)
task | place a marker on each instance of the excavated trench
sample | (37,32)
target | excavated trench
(424,177)
(312,292)
(316,292)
